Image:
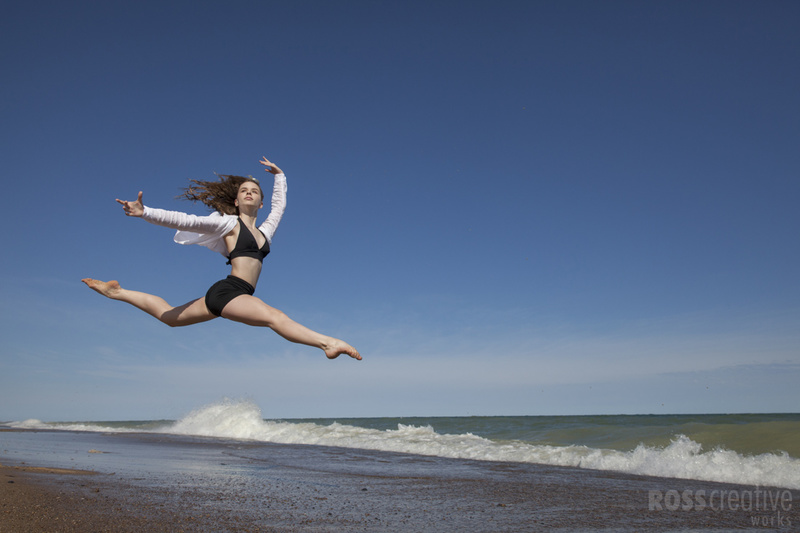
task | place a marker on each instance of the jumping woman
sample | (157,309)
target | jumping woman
(230,230)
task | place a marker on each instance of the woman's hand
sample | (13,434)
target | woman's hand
(133,209)
(271,167)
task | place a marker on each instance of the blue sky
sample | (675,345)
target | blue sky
(539,207)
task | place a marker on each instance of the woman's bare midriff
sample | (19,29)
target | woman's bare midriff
(246,268)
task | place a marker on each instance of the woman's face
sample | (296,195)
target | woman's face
(249,194)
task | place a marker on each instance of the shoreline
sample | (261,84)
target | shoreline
(158,483)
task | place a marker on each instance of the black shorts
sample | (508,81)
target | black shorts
(224,291)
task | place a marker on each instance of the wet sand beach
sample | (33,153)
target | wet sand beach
(167,483)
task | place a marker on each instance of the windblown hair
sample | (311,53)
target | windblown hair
(218,195)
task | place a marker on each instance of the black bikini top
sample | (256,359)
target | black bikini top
(247,246)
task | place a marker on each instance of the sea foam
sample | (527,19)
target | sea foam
(33,423)
(682,458)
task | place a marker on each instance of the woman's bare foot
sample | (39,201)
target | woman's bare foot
(109,289)
(335,347)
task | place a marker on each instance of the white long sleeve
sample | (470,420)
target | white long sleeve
(278,206)
(184,222)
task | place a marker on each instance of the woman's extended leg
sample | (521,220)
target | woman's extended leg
(254,312)
(187,314)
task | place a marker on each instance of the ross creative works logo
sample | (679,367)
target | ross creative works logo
(768,508)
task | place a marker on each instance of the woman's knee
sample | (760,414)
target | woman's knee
(250,310)
(171,319)
(186,315)
(171,323)
(274,316)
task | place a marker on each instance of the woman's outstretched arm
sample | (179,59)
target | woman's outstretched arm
(175,219)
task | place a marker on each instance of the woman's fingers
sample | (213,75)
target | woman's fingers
(271,167)
(132,208)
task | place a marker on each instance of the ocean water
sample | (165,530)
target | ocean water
(751,449)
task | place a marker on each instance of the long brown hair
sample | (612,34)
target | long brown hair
(218,195)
